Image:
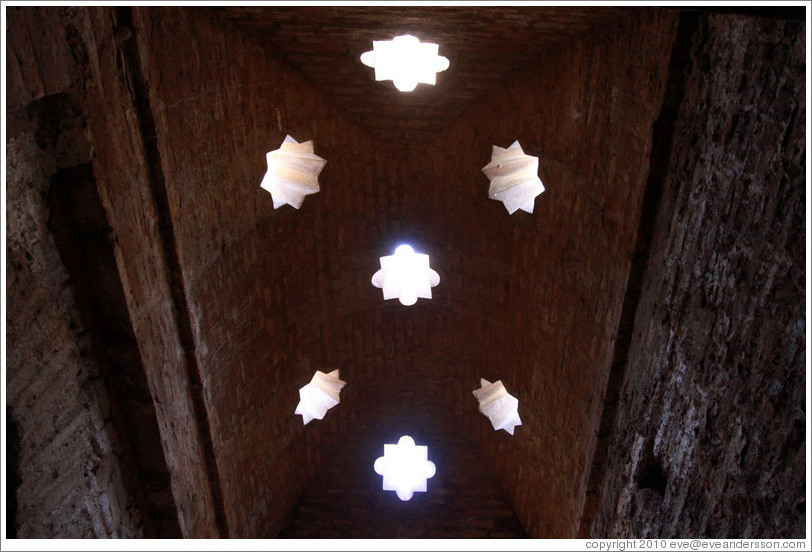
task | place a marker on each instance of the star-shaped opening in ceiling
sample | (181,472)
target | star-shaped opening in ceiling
(514,178)
(501,408)
(405,468)
(405,61)
(292,173)
(406,275)
(319,396)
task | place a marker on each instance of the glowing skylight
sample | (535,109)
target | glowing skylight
(406,61)
(406,276)
(514,178)
(293,172)
(405,468)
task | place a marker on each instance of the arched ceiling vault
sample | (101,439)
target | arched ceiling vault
(487,45)
(225,307)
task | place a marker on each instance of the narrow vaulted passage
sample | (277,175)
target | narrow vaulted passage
(163,310)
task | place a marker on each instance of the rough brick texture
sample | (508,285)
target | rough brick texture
(709,439)
(570,259)
(86,51)
(70,461)
(345,499)
(127,189)
(71,485)
(167,114)
(535,299)
(486,46)
(256,279)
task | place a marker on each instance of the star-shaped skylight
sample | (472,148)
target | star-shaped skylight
(406,61)
(406,275)
(405,468)
(293,172)
(319,396)
(514,178)
(501,408)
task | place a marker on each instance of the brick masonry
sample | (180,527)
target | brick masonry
(537,298)
(234,305)
(71,456)
(256,280)
(710,432)
(82,62)
(479,323)
(71,485)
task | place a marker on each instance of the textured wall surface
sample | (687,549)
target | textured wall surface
(709,439)
(536,298)
(172,386)
(463,500)
(71,481)
(130,191)
(571,258)
(257,280)
(80,71)
(70,460)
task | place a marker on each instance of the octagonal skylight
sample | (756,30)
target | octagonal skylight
(405,468)
(293,172)
(405,61)
(406,276)
(514,178)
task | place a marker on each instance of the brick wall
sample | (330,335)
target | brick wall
(420,364)
(709,438)
(260,283)
(69,63)
(71,484)
(345,499)
(72,464)
(535,299)
(234,305)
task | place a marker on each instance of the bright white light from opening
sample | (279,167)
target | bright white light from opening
(498,405)
(405,468)
(406,61)
(293,172)
(319,396)
(514,178)
(406,276)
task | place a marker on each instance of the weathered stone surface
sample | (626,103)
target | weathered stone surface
(92,84)
(710,434)
(70,455)
(233,305)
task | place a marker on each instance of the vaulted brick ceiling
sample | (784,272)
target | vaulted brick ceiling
(159,119)
(487,46)
(407,167)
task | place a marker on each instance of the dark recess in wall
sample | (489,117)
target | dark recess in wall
(83,236)
(661,148)
(651,475)
(139,90)
(12,472)
(80,228)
